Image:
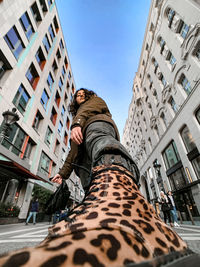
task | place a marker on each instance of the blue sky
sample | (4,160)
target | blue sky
(104,40)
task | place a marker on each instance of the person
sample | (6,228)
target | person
(34,210)
(94,139)
(165,207)
(173,210)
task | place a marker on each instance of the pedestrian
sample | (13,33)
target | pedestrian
(166,206)
(173,210)
(34,210)
(94,139)
(56,216)
(157,208)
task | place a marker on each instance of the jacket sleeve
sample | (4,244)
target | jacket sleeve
(67,167)
(90,108)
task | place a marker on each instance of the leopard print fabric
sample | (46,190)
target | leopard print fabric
(114,226)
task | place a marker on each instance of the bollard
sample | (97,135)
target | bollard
(191,218)
(179,214)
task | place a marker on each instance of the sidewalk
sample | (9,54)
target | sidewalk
(197,223)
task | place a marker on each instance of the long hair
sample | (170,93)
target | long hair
(73,107)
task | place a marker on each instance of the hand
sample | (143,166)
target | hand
(76,135)
(57,179)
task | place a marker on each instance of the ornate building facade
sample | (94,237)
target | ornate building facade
(36,79)
(162,131)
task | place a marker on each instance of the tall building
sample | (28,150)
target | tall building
(36,79)
(162,131)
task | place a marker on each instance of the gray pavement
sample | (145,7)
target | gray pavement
(16,236)
(190,234)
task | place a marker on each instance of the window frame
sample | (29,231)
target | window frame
(44,104)
(46,43)
(17,99)
(29,30)
(48,136)
(14,46)
(166,159)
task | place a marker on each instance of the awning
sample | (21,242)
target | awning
(12,170)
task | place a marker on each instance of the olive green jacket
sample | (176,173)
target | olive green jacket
(94,109)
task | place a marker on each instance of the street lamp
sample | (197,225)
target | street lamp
(10,117)
(157,167)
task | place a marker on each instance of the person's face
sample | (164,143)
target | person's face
(80,98)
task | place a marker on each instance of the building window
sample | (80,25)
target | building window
(171,155)
(46,43)
(173,104)
(163,81)
(162,44)
(36,13)
(178,179)
(16,139)
(184,30)
(37,120)
(193,154)
(60,126)
(58,55)
(198,115)
(65,140)
(73,89)
(68,87)
(66,63)
(185,84)
(63,72)
(187,139)
(48,136)
(68,123)
(197,51)
(43,6)
(55,22)
(53,117)
(54,67)
(63,156)
(27,26)
(57,99)
(61,45)
(4,65)
(60,83)
(14,42)
(40,58)
(44,99)
(155,63)
(172,59)
(162,116)
(50,80)
(69,75)
(21,99)
(57,147)
(32,76)
(63,112)
(51,32)
(44,163)
(157,131)
(66,99)
(49,2)
(170,15)
(196,166)
(27,148)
